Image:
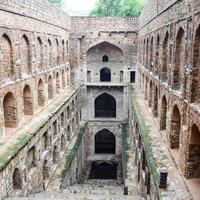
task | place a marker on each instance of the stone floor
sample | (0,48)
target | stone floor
(83,192)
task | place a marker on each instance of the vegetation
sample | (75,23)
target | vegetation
(57,3)
(73,152)
(126,148)
(122,8)
(144,131)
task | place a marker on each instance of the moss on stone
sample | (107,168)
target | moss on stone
(72,152)
(145,131)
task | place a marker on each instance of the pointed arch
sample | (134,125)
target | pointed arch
(7,58)
(17,179)
(39,53)
(57,83)
(163,114)
(105,106)
(105,142)
(50,87)
(10,111)
(28,100)
(105,75)
(157,61)
(195,87)
(175,128)
(49,52)
(55,155)
(179,59)
(41,97)
(25,55)
(165,57)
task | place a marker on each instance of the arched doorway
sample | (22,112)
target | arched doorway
(179,59)
(165,57)
(105,58)
(41,98)
(163,114)
(17,180)
(57,83)
(175,128)
(150,93)
(63,79)
(10,111)
(50,87)
(55,155)
(7,58)
(45,170)
(193,155)
(28,102)
(105,106)
(105,142)
(155,102)
(195,87)
(105,75)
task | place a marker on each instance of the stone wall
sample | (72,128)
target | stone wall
(38,156)
(88,32)
(40,10)
(34,50)
(168,64)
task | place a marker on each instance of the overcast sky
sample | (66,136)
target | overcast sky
(79,5)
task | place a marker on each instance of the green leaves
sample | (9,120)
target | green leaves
(117,8)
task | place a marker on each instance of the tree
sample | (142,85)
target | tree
(58,3)
(132,7)
(107,8)
(117,8)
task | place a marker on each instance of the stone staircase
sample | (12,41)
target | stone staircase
(83,192)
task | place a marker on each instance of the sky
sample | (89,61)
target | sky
(75,6)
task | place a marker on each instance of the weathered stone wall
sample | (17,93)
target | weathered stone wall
(168,66)
(40,10)
(88,32)
(49,141)
(34,49)
(89,95)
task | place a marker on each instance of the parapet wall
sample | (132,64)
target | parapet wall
(41,10)
(85,24)
(153,8)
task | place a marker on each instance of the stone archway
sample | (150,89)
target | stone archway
(150,93)
(10,111)
(163,114)
(28,101)
(179,59)
(57,83)
(105,106)
(105,75)
(165,57)
(193,154)
(55,155)
(45,170)
(50,87)
(175,128)
(41,97)
(105,142)
(155,102)
(17,179)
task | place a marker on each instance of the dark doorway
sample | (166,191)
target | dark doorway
(103,170)
(105,142)
(105,106)
(105,58)
(105,75)
(132,77)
